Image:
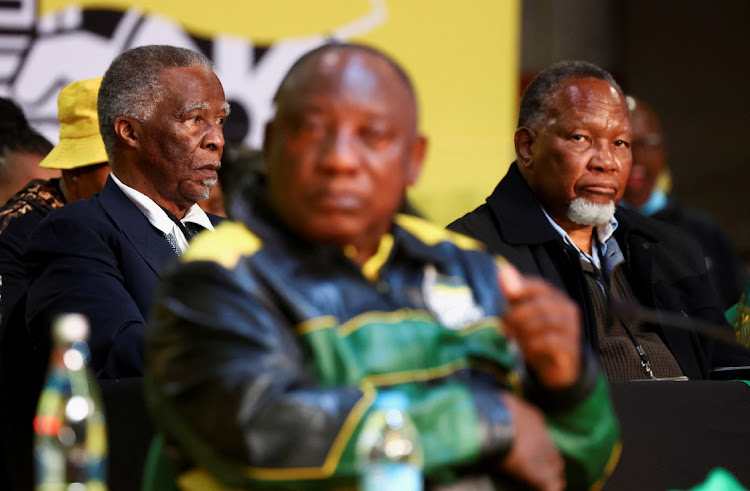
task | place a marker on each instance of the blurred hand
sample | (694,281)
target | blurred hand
(547,326)
(533,459)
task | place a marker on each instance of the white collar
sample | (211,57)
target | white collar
(159,219)
(604,232)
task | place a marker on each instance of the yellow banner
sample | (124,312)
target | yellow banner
(462,56)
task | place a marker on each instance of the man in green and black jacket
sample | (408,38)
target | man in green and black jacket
(272,338)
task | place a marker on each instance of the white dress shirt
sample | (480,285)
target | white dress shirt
(604,232)
(159,219)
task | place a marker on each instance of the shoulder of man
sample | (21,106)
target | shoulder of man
(71,230)
(430,234)
(698,223)
(670,239)
(80,211)
(475,223)
(230,241)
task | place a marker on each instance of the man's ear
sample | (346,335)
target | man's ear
(416,159)
(127,130)
(524,142)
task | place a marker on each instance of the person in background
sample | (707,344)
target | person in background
(739,316)
(286,325)
(161,111)
(21,150)
(726,270)
(81,157)
(555,215)
(240,165)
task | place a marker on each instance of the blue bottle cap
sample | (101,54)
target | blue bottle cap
(391,399)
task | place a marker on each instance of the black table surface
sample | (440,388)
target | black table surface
(673,433)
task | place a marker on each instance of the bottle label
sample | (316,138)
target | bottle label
(391,476)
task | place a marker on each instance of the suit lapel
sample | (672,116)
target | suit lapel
(518,212)
(145,238)
(215,219)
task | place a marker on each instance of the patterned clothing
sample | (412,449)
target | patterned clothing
(18,217)
(265,354)
(739,316)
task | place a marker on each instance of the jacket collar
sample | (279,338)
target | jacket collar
(522,221)
(632,223)
(252,207)
(518,212)
(147,240)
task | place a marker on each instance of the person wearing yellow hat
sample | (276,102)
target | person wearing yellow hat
(80,154)
(81,157)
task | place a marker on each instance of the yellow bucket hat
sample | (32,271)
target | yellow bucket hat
(80,142)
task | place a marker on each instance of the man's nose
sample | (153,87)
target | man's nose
(214,137)
(604,158)
(340,153)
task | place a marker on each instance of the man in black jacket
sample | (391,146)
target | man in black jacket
(320,297)
(554,215)
(725,268)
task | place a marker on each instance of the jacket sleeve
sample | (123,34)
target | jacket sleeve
(228,382)
(679,282)
(73,267)
(583,425)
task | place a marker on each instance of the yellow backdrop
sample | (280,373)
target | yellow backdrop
(463,57)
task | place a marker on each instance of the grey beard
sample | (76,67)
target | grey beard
(584,212)
(209,183)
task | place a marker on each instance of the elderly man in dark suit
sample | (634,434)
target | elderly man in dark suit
(161,111)
(554,215)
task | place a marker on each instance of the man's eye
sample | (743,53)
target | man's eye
(196,119)
(578,138)
(622,143)
(374,135)
(309,126)
(220,121)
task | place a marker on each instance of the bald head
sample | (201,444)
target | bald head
(343,146)
(342,63)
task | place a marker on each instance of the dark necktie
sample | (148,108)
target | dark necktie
(192,230)
(189,230)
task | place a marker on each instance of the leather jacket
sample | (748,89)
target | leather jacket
(265,354)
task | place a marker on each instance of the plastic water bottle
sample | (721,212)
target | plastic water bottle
(389,452)
(70,441)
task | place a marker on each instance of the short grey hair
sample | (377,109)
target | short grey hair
(535,100)
(131,87)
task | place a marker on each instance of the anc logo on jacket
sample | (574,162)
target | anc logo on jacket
(449,299)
